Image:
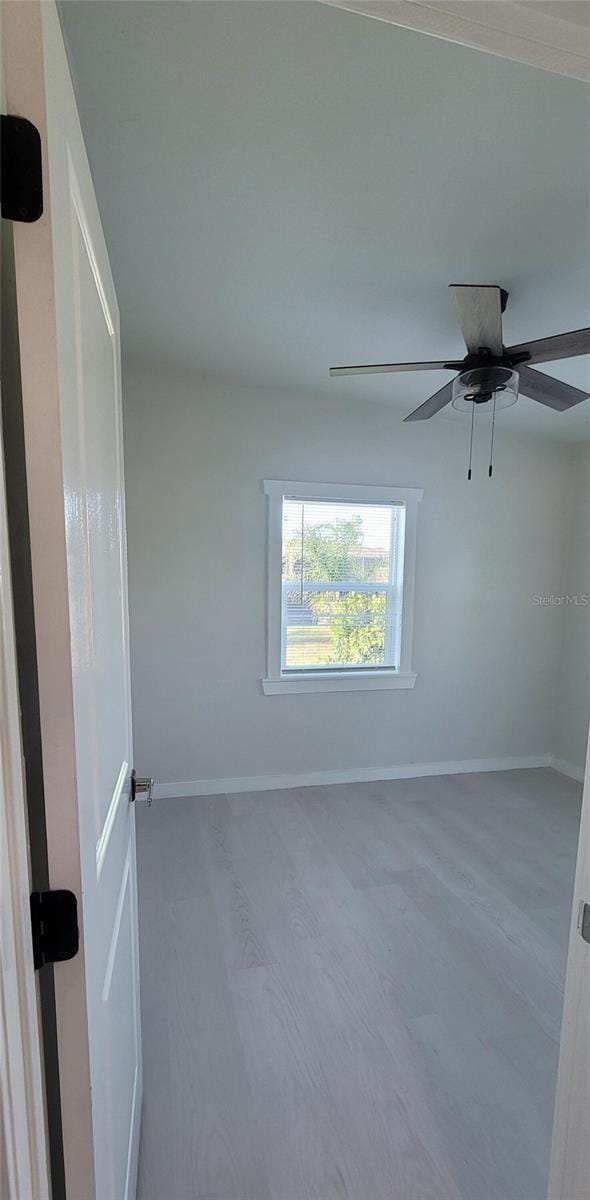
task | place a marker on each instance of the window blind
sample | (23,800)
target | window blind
(342,566)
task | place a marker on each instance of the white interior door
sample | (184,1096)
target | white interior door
(70,364)
(570,1158)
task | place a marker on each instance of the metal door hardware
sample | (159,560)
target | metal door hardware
(141,787)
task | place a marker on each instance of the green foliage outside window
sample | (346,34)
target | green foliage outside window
(358,628)
(333,553)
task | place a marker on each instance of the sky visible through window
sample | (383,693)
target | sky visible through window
(375,518)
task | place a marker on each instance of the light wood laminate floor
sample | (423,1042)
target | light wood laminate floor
(355,991)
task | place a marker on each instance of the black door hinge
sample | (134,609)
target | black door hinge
(54,924)
(584,921)
(21,173)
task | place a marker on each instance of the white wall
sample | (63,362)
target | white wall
(486,655)
(573,693)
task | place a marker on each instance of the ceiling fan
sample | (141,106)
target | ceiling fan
(491,375)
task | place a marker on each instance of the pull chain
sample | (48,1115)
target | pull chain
(492,441)
(471,440)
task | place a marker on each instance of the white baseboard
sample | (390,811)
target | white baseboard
(265,783)
(567,768)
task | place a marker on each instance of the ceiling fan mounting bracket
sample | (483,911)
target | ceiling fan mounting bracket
(483,358)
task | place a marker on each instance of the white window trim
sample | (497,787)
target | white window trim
(278,682)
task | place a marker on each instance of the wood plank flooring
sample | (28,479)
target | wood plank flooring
(354,992)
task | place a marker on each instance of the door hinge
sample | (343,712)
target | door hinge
(54,925)
(584,921)
(21,170)
(141,787)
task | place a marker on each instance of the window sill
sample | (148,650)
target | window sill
(345,681)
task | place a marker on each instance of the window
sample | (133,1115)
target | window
(341,581)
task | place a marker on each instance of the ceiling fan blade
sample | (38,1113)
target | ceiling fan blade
(561,345)
(480,316)
(433,404)
(383,368)
(547,390)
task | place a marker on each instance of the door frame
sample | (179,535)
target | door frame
(25,87)
(24,1165)
(21,1080)
(38,85)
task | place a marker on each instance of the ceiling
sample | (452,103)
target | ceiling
(289,186)
(554,35)
(575,11)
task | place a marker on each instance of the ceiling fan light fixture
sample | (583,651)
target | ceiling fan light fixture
(479,387)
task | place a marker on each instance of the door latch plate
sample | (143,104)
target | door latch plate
(141,787)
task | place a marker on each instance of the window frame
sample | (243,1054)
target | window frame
(280,682)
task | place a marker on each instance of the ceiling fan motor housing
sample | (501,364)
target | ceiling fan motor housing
(482,385)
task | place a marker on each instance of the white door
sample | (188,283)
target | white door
(570,1158)
(69,339)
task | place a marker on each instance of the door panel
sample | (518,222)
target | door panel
(102,647)
(570,1154)
(122,1036)
(74,450)
(96,554)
